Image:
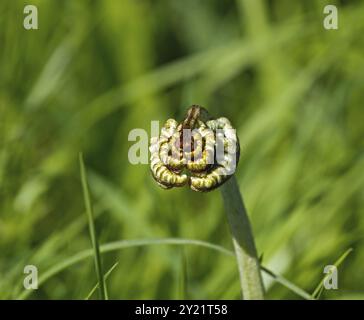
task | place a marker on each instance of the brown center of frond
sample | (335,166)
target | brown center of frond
(199,151)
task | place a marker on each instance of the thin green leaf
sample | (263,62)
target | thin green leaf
(105,278)
(124,244)
(95,244)
(288,284)
(319,289)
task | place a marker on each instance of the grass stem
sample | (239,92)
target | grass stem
(95,244)
(246,254)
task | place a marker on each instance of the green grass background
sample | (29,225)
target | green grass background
(97,69)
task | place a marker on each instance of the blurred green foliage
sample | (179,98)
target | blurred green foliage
(97,69)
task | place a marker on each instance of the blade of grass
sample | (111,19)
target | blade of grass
(95,244)
(319,289)
(288,284)
(105,278)
(124,244)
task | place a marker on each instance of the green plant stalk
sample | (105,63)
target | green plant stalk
(95,244)
(246,254)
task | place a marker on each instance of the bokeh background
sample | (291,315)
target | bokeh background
(94,70)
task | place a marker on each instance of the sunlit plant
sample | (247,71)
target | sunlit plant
(203,153)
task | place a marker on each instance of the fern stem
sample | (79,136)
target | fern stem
(246,254)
